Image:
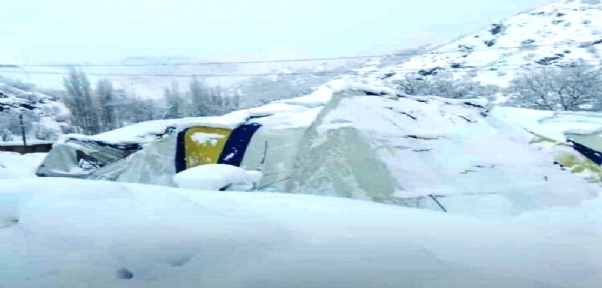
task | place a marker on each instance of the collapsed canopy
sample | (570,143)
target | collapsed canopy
(346,142)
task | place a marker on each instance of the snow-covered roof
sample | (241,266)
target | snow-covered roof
(288,113)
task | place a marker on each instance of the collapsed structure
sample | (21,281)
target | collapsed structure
(346,140)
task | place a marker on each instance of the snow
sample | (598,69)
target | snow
(70,232)
(550,124)
(136,133)
(15,165)
(213,177)
(29,142)
(476,165)
(506,225)
(514,218)
(204,138)
(52,116)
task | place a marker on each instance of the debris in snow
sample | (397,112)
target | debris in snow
(497,28)
(489,43)
(548,60)
(466,119)
(124,274)
(409,115)
(422,150)
(7,221)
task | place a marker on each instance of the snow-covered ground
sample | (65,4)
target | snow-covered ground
(78,233)
(15,165)
(213,177)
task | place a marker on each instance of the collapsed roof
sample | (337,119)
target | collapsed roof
(356,141)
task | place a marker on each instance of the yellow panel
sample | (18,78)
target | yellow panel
(204,145)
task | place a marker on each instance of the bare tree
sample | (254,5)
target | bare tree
(200,99)
(130,109)
(104,98)
(222,103)
(5,126)
(80,101)
(173,102)
(569,88)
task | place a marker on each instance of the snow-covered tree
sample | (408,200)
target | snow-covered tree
(5,126)
(222,103)
(106,106)
(200,99)
(444,86)
(173,101)
(570,88)
(79,99)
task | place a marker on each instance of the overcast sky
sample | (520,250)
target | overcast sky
(71,30)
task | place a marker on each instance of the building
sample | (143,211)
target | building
(35,146)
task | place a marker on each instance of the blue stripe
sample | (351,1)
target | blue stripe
(236,145)
(180,159)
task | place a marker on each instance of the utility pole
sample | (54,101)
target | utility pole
(22,128)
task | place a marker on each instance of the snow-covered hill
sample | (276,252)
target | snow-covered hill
(550,35)
(44,116)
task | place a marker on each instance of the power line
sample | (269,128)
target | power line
(299,60)
(492,68)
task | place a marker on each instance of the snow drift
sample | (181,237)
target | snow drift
(75,233)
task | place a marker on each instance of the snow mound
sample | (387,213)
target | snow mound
(14,165)
(105,234)
(215,177)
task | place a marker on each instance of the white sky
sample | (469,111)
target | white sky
(86,30)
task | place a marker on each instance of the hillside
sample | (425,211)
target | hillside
(43,115)
(554,34)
